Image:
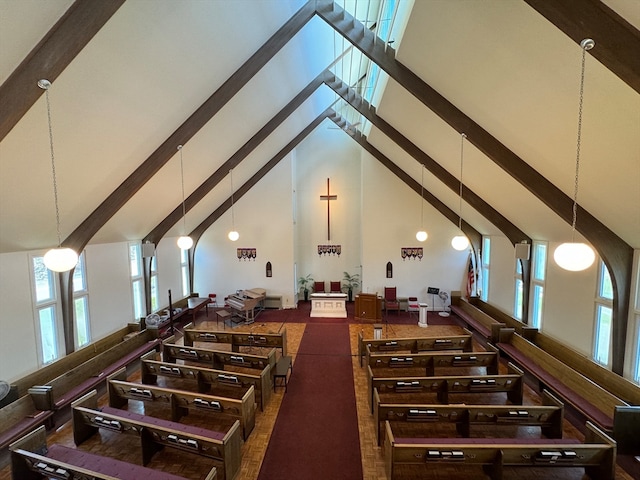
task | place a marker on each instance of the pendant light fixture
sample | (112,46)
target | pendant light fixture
(460,242)
(185,242)
(57,259)
(576,256)
(233,234)
(421,236)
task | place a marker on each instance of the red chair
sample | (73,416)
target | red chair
(335,287)
(213,301)
(390,299)
(318,287)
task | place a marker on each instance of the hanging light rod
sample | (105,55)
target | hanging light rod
(460,242)
(233,234)
(185,242)
(577,256)
(422,235)
(57,259)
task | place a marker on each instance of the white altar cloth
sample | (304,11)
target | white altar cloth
(332,305)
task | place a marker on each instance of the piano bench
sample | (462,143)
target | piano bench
(222,315)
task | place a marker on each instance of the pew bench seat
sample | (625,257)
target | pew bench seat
(160,422)
(23,426)
(554,384)
(486,441)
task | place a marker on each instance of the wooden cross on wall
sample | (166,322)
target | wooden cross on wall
(328,197)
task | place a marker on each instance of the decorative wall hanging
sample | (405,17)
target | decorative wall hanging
(246,254)
(412,253)
(389,270)
(329,250)
(269,270)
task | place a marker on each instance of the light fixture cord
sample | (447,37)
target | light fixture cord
(575,191)
(422,200)
(462,137)
(233,220)
(53,169)
(184,210)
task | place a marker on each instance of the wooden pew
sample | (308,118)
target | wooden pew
(180,402)
(207,378)
(415,344)
(416,456)
(154,433)
(237,340)
(64,389)
(19,418)
(32,459)
(549,416)
(588,398)
(487,326)
(217,359)
(407,388)
(429,361)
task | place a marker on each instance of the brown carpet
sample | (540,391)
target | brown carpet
(316,432)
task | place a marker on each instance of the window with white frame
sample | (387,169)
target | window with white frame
(47,315)
(137,280)
(155,294)
(486,256)
(184,269)
(518,300)
(538,275)
(81,303)
(604,314)
(636,349)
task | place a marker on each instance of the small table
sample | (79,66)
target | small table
(222,315)
(281,370)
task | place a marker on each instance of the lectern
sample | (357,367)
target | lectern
(368,306)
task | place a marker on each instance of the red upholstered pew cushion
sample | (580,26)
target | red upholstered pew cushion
(106,465)
(488,441)
(159,422)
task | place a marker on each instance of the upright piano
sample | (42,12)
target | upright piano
(244,303)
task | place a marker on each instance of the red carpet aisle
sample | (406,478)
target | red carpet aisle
(316,433)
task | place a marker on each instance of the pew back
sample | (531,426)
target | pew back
(237,339)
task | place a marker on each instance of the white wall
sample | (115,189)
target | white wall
(18,339)
(263,217)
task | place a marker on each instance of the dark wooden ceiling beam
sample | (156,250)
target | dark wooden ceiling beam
(210,183)
(513,233)
(617,41)
(79,238)
(616,253)
(51,56)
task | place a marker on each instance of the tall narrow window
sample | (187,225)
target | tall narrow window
(636,364)
(137,280)
(538,282)
(184,268)
(46,312)
(155,294)
(81,303)
(486,258)
(518,301)
(604,314)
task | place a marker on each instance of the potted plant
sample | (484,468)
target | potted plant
(350,282)
(305,283)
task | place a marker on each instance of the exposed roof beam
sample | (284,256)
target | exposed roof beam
(615,252)
(51,56)
(79,238)
(513,233)
(617,41)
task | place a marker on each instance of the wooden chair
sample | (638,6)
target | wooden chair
(390,299)
(318,287)
(335,287)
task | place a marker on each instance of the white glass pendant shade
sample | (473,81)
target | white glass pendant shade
(460,242)
(574,257)
(60,259)
(421,236)
(233,235)
(185,242)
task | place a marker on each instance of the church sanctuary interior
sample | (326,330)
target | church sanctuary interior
(320,239)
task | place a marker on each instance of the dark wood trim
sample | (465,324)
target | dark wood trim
(51,56)
(210,183)
(615,252)
(617,41)
(119,197)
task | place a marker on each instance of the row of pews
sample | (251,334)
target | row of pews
(437,403)
(217,392)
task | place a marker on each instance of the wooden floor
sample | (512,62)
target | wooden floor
(253,450)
